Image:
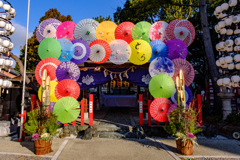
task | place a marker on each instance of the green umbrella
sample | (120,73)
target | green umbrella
(141,31)
(49,47)
(161,85)
(67,109)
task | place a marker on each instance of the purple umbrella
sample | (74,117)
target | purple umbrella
(47,29)
(188,94)
(68,70)
(51,105)
(82,51)
(176,49)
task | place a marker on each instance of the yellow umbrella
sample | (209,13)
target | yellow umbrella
(106,31)
(141,52)
(53,85)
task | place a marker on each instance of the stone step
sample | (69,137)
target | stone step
(113,128)
(109,135)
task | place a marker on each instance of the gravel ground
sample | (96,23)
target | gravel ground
(210,158)
(21,157)
(116,116)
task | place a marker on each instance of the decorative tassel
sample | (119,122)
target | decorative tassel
(99,69)
(124,74)
(95,69)
(111,76)
(115,76)
(132,70)
(104,72)
(120,76)
(107,73)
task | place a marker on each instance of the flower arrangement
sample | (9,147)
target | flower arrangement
(182,119)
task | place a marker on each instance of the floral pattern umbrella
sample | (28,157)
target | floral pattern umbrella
(68,70)
(158,31)
(141,31)
(161,65)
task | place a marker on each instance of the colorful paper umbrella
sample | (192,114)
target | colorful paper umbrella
(67,50)
(67,109)
(124,31)
(159,49)
(172,107)
(68,70)
(159,108)
(50,64)
(141,31)
(82,51)
(181,29)
(53,98)
(176,49)
(47,29)
(121,51)
(158,31)
(141,52)
(65,30)
(49,47)
(161,65)
(86,30)
(186,67)
(106,31)
(188,95)
(100,51)
(161,85)
(67,88)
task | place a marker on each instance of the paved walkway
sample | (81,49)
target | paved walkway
(118,149)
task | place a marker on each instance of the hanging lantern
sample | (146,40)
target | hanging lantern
(232,3)
(228,21)
(225,65)
(218,63)
(6,7)
(220,82)
(228,59)
(236,19)
(221,24)
(238,66)
(224,6)
(231,66)
(237,31)
(229,42)
(229,49)
(223,31)
(237,58)
(235,78)
(237,41)
(226,81)
(229,32)
(222,60)
(218,9)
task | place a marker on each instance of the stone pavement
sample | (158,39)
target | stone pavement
(118,149)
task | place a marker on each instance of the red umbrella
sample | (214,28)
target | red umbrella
(50,64)
(100,51)
(159,109)
(67,88)
(186,67)
(124,31)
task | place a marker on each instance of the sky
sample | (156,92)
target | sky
(78,9)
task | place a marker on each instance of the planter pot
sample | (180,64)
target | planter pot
(42,147)
(185,149)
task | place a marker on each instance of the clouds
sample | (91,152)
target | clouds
(18,37)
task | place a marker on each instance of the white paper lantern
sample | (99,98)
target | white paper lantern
(9,84)
(229,49)
(216,28)
(228,59)
(12,11)
(229,42)
(222,60)
(8,27)
(221,24)
(224,6)
(231,66)
(1,82)
(7,62)
(218,63)
(228,21)
(5,50)
(225,65)
(232,3)
(229,32)
(236,19)
(218,9)
(216,13)
(221,45)
(1,4)
(6,43)
(11,46)
(237,41)
(5,84)
(12,29)
(237,58)
(4,16)
(223,31)
(220,82)
(235,78)
(2,24)
(6,7)
(226,81)
(2,61)
(3,33)
(237,66)
(11,63)
(237,31)
(218,48)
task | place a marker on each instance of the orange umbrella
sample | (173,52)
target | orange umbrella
(106,31)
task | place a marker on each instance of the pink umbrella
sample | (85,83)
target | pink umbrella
(186,67)
(158,31)
(66,30)
(181,29)
(176,49)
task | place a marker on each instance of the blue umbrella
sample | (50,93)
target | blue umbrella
(159,49)
(67,51)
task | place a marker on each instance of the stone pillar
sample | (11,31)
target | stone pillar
(226,103)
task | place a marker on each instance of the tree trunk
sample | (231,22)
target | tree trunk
(19,62)
(210,56)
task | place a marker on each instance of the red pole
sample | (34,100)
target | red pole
(199,101)
(74,123)
(82,112)
(90,109)
(149,115)
(158,123)
(24,121)
(33,101)
(65,124)
(140,109)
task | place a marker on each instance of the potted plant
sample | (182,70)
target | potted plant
(42,124)
(183,121)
